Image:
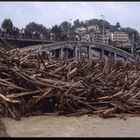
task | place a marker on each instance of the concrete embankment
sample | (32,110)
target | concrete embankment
(84,126)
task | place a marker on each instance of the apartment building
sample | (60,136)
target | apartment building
(96,37)
(120,37)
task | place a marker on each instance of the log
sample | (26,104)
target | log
(32,82)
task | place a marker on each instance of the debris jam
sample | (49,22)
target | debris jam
(35,83)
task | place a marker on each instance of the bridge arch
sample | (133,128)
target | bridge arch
(103,50)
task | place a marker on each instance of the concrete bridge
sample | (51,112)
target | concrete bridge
(21,43)
(79,49)
(91,50)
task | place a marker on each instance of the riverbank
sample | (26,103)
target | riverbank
(83,126)
(3,132)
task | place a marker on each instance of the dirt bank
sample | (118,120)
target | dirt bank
(84,126)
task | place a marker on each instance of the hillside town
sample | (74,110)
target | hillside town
(94,30)
(94,34)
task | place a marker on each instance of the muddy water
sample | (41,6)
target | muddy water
(84,126)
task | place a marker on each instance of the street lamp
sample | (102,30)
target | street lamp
(68,37)
(103,26)
(69,28)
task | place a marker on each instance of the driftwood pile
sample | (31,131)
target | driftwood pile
(36,83)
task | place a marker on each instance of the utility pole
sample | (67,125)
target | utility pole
(68,37)
(132,49)
(133,38)
(69,29)
(103,26)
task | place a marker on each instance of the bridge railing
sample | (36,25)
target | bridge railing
(20,36)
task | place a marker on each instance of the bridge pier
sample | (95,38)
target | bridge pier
(89,53)
(75,51)
(112,54)
(79,53)
(61,53)
(132,51)
(55,53)
(102,53)
(66,53)
(79,50)
(109,54)
(115,55)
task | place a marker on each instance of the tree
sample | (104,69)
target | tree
(56,30)
(34,27)
(113,28)
(132,34)
(118,25)
(93,22)
(106,24)
(76,23)
(64,26)
(14,32)
(7,24)
(82,24)
(136,36)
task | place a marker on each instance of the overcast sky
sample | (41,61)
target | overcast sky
(51,13)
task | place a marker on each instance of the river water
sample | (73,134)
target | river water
(84,126)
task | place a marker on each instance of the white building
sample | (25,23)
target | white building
(82,29)
(94,27)
(86,37)
(120,37)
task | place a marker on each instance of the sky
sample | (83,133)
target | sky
(51,13)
